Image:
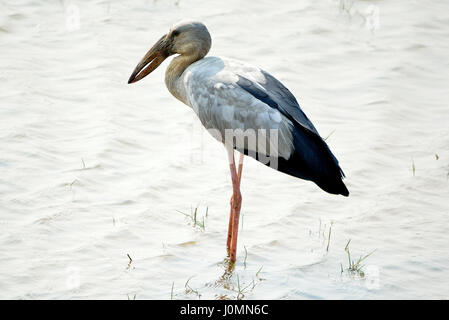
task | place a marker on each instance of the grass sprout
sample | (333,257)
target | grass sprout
(246,255)
(241,291)
(257,273)
(355,266)
(328,136)
(130,261)
(329,237)
(197,221)
(190,290)
(134,298)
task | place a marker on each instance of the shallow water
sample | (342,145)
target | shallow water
(93,169)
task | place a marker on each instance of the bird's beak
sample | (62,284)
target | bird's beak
(158,53)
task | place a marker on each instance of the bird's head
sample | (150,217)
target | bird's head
(184,38)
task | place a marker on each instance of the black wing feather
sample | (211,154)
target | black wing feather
(312,159)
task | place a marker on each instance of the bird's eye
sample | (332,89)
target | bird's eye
(175,33)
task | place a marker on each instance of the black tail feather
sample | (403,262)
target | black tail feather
(312,160)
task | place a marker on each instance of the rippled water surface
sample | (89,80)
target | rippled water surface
(93,169)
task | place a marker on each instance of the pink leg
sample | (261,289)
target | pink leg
(231,217)
(231,214)
(236,203)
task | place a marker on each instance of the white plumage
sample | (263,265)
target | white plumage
(220,103)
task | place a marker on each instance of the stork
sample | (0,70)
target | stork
(246,109)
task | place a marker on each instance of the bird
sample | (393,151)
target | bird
(246,109)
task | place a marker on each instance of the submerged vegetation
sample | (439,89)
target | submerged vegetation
(329,237)
(134,298)
(328,136)
(130,261)
(230,280)
(242,290)
(194,219)
(355,267)
(324,233)
(190,290)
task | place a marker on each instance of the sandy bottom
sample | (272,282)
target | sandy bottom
(93,169)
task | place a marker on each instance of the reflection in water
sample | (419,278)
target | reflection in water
(230,281)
